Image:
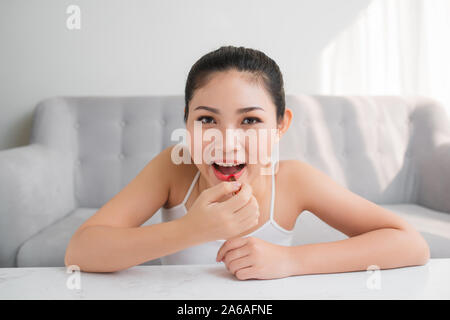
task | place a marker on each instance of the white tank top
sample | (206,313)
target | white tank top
(205,253)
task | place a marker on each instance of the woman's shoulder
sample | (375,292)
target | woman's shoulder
(296,173)
(291,178)
(292,168)
(178,174)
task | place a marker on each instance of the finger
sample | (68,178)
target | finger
(250,221)
(251,210)
(236,254)
(239,200)
(219,190)
(245,273)
(240,263)
(230,245)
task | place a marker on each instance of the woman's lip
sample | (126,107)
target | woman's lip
(224,177)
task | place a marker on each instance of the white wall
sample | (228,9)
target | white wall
(147,47)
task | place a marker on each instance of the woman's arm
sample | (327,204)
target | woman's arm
(109,249)
(376,235)
(112,238)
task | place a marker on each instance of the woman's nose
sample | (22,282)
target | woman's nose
(232,140)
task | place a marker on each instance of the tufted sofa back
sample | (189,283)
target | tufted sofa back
(108,140)
(370,144)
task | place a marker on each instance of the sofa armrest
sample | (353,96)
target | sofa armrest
(36,189)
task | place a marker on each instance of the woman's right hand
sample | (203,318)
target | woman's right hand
(215,220)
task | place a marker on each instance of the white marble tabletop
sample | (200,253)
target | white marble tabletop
(431,281)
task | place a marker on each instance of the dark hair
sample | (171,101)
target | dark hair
(255,62)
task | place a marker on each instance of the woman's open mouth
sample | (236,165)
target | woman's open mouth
(223,171)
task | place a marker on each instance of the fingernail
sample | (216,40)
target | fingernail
(236,185)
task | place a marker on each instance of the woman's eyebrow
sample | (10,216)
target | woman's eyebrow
(248,109)
(241,110)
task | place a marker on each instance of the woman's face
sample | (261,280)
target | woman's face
(232,128)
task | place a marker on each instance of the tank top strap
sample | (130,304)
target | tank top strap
(194,181)
(272,197)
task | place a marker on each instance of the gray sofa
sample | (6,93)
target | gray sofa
(392,150)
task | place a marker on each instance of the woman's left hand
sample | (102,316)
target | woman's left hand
(253,258)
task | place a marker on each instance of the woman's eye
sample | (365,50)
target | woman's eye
(251,120)
(205,119)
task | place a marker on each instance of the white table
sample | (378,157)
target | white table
(431,281)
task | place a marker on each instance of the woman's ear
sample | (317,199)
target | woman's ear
(286,122)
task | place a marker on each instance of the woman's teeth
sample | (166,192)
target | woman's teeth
(228,168)
(228,164)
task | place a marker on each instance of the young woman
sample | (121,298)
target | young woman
(246,224)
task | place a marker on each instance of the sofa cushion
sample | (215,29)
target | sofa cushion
(433,225)
(47,248)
